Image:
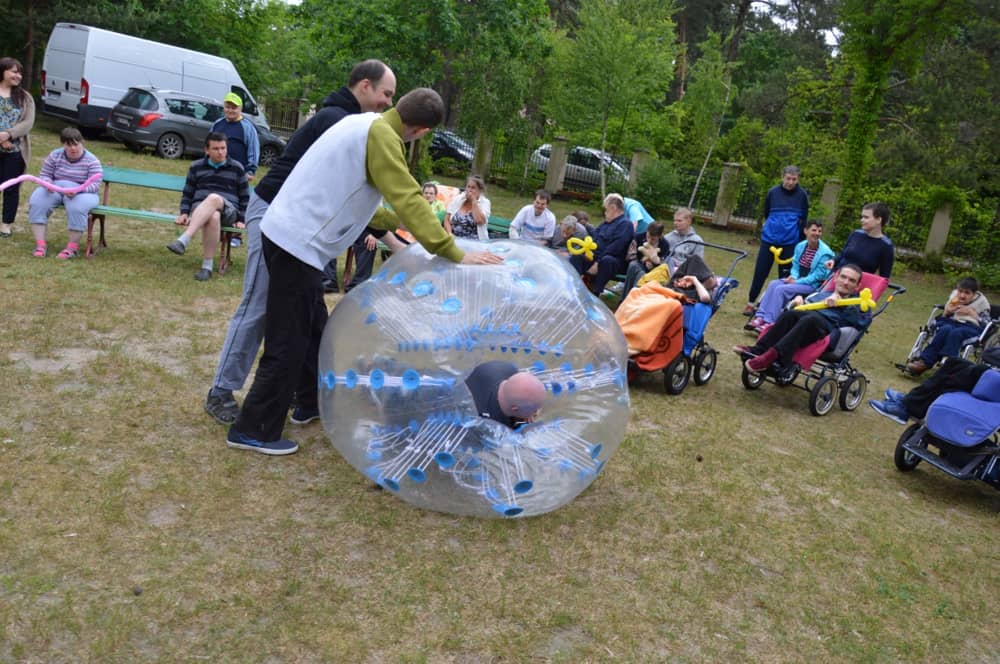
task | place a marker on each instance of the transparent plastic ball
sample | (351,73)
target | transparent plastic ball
(397,350)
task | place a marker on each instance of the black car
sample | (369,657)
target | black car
(447,144)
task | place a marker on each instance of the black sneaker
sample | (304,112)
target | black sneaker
(223,407)
(177,247)
(204,274)
(330,286)
(302,415)
(240,441)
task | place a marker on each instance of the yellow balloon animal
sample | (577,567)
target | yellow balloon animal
(586,246)
(864,300)
(777,256)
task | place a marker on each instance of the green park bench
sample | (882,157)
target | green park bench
(149,180)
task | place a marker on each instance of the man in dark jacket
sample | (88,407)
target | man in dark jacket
(371,87)
(613,238)
(215,195)
(797,328)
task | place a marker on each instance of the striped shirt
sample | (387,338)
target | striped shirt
(226,179)
(57,167)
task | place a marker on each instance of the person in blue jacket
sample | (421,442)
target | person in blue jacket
(242,141)
(613,238)
(809,271)
(786,208)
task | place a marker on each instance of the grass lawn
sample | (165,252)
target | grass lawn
(730,526)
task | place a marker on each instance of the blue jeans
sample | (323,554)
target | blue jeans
(246,327)
(947,341)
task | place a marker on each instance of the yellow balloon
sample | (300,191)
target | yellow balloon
(864,300)
(777,256)
(586,246)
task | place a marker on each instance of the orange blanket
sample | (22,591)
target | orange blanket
(644,312)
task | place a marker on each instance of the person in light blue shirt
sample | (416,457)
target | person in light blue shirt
(637,214)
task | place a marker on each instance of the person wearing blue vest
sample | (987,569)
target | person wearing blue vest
(786,208)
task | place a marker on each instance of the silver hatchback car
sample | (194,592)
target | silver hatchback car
(175,123)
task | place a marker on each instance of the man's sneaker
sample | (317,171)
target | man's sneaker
(177,247)
(894,395)
(749,310)
(223,407)
(240,441)
(302,415)
(204,274)
(235,242)
(330,286)
(894,410)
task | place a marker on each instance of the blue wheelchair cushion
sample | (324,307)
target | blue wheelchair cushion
(962,419)
(988,387)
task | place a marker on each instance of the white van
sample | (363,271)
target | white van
(86,71)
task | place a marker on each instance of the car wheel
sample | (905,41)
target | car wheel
(170,146)
(268,154)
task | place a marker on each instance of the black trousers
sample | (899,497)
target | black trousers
(364,261)
(294,321)
(794,330)
(955,375)
(11,166)
(762,268)
(607,268)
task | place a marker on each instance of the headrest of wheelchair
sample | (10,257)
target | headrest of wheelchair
(874,282)
(988,387)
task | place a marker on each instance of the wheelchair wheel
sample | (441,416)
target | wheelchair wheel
(751,380)
(920,344)
(704,366)
(677,374)
(853,392)
(904,458)
(632,372)
(823,396)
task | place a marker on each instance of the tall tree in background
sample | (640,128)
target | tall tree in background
(880,36)
(493,63)
(616,63)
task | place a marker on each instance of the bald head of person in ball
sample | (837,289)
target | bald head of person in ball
(505,394)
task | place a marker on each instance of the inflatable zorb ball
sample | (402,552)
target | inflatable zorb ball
(397,350)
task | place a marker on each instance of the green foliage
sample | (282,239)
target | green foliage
(880,35)
(660,186)
(706,100)
(612,68)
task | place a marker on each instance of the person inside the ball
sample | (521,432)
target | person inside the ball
(505,394)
